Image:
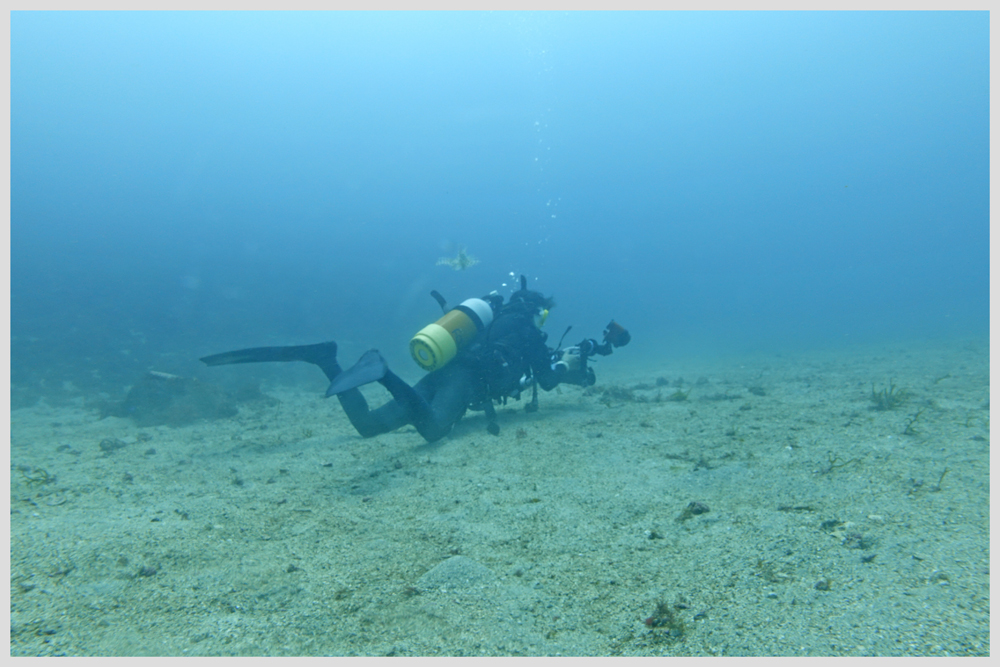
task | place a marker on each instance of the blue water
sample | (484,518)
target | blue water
(187,183)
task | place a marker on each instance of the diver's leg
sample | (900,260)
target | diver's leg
(436,402)
(416,407)
(369,422)
(371,367)
(460,389)
(433,406)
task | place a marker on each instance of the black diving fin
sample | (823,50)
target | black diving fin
(323,355)
(371,367)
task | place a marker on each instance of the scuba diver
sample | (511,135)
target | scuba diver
(481,351)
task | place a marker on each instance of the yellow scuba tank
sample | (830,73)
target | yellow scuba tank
(437,344)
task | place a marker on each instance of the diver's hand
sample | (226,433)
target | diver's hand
(568,362)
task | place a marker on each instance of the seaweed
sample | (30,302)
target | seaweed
(679,395)
(910,428)
(889,398)
(721,396)
(665,623)
(937,487)
(834,462)
(609,395)
(37,475)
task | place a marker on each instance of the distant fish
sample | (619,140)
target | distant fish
(459,262)
(165,376)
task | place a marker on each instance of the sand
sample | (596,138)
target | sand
(774,511)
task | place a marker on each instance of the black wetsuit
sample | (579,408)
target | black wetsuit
(490,370)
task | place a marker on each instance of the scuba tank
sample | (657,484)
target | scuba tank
(437,344)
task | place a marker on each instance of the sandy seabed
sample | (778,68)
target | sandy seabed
(773,511)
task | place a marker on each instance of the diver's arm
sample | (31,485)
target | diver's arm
(547,377)
(539,358)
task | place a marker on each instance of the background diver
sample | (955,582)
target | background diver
(479,352)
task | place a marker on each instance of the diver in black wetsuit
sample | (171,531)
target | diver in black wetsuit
(504,354)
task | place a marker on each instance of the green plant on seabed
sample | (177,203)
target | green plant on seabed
(37,475)
(679,395)
(910,428)
(888,398)
(834,462)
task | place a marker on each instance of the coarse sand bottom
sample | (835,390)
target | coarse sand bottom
(740,506)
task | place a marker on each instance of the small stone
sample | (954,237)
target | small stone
(111,445)
(854,540)
(457,572)
(694,508)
